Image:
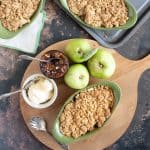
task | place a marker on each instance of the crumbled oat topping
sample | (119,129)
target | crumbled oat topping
(15,13)
(100,13)
(89,110)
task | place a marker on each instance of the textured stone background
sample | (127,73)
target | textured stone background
(58,26)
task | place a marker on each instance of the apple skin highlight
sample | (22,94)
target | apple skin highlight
(77,76)
(76,49)
(102,65)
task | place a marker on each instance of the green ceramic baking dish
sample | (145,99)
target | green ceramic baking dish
(6,34)
(66,140)
(131,21)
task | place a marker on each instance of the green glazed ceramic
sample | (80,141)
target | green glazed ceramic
(66,140)
(6,34)
(131,21)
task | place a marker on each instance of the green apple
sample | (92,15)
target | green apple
(79,50)
(77,76)
(102,64)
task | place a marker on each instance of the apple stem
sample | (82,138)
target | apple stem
(100,65)
(80,52)
(81,77)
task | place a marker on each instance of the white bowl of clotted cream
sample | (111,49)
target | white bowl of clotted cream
(39,91)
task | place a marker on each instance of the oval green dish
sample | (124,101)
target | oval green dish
(131,21)
(66,140)
(6,34)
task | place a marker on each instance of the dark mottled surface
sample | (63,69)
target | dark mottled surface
(58,26)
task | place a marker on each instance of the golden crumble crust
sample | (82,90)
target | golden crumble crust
(100,13)
(15,13)
(89,109)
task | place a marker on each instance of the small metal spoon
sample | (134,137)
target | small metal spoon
(40,125)
(9,94)
(26,57)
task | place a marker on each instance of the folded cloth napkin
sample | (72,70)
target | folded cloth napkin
(28,39)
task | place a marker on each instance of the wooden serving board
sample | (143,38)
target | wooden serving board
(126,75)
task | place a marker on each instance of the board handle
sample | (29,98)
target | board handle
(145,62)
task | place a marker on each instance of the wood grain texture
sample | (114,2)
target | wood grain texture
(126,75)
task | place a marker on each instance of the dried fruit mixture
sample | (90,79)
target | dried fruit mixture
(100,13)
(15,13)
(57,67)
(88,110)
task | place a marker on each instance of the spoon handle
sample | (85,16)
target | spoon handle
(9,94)
(26,57)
